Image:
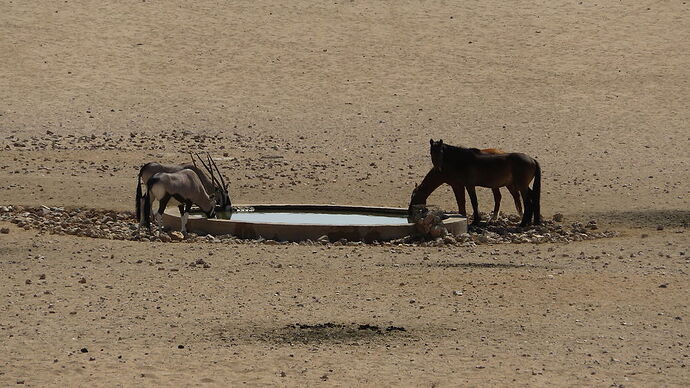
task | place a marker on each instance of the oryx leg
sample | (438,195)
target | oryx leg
(184,215)
(162,204)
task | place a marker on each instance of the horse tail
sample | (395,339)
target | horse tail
(536,194)
(147,202)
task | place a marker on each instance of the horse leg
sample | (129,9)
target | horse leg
(459,191)
(497,203)
(516,197)
(475,206)
(527,200)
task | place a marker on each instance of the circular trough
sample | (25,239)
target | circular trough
(308,222)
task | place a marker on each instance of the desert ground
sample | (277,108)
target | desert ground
(335,102)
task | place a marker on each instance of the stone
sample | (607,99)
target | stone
(176,236)
(4,230)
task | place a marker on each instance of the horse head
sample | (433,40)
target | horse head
(436,150)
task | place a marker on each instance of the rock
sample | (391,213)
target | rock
(82,280)
(558,217)
(457,293)
(437,231)
(4,230)
(176,236)
(323,239)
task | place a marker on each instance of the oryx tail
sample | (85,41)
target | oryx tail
(138,197)
(148,200)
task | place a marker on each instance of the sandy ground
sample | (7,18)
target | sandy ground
(335,102)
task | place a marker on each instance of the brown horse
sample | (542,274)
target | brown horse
(469,167)
(434,178)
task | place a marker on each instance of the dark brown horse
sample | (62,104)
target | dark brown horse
(469,167)
(434,178)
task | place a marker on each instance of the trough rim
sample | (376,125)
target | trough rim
(455,224)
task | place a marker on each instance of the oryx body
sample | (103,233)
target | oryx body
(213,188)
(184,188)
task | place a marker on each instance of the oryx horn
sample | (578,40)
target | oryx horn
(217,170)
(208,168)
(193,161)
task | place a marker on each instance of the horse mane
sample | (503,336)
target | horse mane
(459,150)
(452,148)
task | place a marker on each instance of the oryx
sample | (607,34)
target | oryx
(184,187)
(218,190)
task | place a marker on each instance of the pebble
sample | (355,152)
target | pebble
(108,224)
(4,230)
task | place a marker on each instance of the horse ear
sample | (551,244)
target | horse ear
(431,141)
(440,141)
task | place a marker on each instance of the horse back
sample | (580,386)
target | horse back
(524,166)
(492,151)
(499,169)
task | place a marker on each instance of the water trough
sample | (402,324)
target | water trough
(291,222)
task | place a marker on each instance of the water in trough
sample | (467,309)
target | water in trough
(315,217)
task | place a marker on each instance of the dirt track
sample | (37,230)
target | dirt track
(335,103)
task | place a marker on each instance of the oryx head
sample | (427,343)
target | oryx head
(220,192)
(221,196)
(211,213)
